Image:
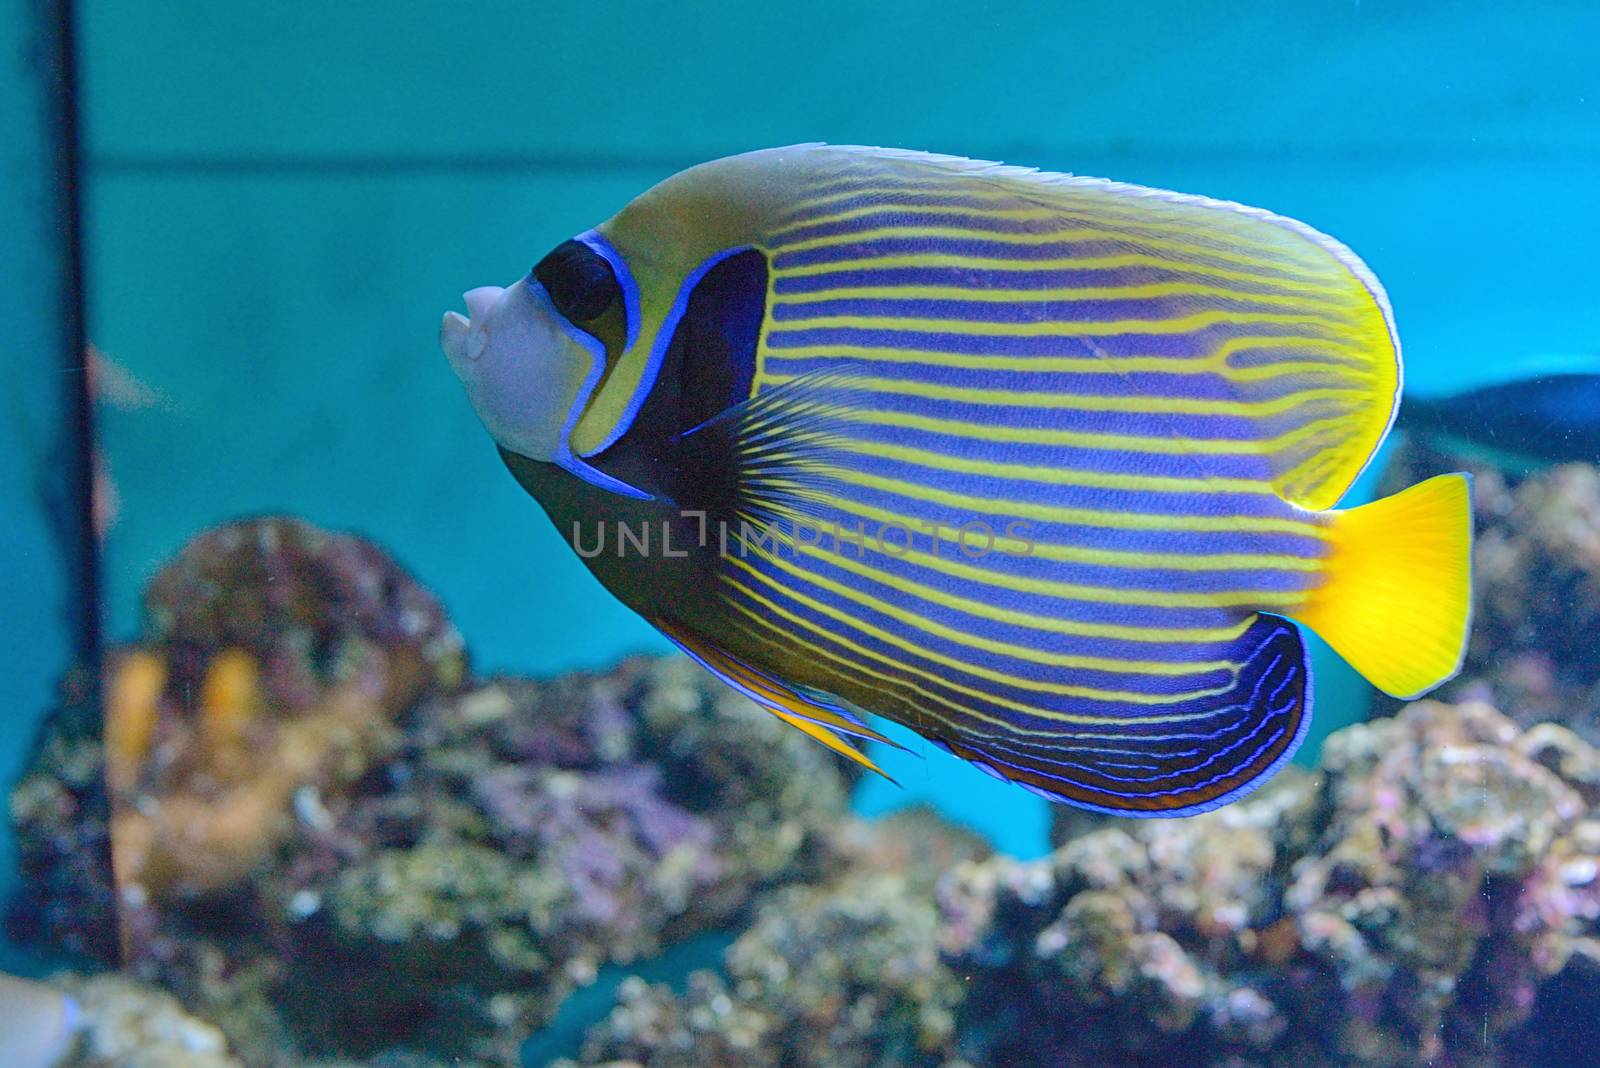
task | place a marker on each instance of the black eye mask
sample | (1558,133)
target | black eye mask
(580,282)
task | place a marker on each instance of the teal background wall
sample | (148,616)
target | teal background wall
(45,584)
(284,196)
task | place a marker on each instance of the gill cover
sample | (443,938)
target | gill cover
(666,241)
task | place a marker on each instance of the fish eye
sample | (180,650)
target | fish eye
(580,281)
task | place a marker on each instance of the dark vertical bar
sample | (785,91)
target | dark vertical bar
(81,539)
(78,425)
(66,899)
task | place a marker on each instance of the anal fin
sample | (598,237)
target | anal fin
(815,715)
(1200,753)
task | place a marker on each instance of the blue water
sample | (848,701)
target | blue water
(283,199)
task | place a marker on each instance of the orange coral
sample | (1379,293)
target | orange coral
(133,705)
(222,799)
(230,701)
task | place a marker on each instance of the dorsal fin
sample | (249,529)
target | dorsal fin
(1303,316)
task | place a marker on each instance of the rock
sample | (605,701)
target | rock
(126,1024)
(1429,896)
(841,974)
(440,860)
(334,844)
(1407,907)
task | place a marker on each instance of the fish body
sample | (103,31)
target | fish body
(1037,466)
(1553,418)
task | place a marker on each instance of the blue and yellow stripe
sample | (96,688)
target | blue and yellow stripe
(1160,391)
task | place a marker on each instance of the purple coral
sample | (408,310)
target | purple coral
(609,832)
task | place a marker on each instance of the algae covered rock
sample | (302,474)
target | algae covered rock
(338,849)
(525,837)
(1430,896)
(66,899)
(1410,906)
(126,1024)
(843,973)
(276,659)
(333,844)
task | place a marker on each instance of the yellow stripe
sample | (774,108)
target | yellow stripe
(884,206)
(1139,403)
(1269,371)
(1053,328)
(1090,693)
(1089,440)
(1055,552)
(1061,294)
(1066,364)
(1055,476)
(1119,665)
(1153,243)
(988,263)
(829,739)
(1216,363)
(867,188)
(1116,520)
(766,327)
(1219,356)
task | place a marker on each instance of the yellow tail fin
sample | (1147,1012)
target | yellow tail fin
(1397,593)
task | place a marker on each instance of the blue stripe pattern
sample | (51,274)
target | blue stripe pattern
(1128,392)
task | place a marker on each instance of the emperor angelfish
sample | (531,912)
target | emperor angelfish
(1038,466)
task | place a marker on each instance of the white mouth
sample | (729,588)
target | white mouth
(466,337)
(453,336)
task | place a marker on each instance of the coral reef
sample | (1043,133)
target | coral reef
(338,849)
(126,1024)
(276,659)
(66,900)
(1537,586)
(330,843)
(1404,908)
(1429,898)
(844,973)
(524,838)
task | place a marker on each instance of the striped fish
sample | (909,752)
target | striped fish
(1041,467)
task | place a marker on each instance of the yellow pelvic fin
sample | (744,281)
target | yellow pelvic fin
(1397,595)
(827,725)
(829,739)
